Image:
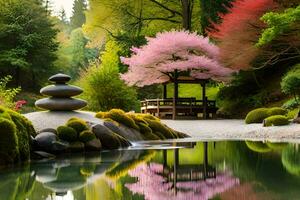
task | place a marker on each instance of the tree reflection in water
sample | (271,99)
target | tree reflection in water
(158,181)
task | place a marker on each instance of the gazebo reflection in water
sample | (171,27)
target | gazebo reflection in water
(187,172)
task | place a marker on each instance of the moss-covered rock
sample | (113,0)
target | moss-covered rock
(9,148)
(102,115)
(276,120)
(23,130)
(86,136)
(77,124)
(67,133)
(277,111)
(76,146)
(257,115)
(157,126)
(121,117)
(259,147)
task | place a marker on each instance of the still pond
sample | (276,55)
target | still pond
(222,170)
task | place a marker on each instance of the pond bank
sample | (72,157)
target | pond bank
(234,130)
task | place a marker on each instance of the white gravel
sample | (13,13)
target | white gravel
(234,130)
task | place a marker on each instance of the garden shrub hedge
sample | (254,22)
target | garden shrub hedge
(258,115)
(276,120)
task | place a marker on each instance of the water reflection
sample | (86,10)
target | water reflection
(203,170)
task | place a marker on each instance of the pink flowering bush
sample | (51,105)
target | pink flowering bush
(175,50)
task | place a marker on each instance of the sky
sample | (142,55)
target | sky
(57,5)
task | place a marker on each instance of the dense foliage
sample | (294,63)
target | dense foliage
(27,41)
(102,85)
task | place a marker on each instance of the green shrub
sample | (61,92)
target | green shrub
(67,133)
(86,136)
(121,117)
(258,147)
(9,149)
(7,96)
(290,83)
(77,124)
(290,104)
(276,120)
(277,111)
(257,115)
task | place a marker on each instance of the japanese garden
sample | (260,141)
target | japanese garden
(149,99)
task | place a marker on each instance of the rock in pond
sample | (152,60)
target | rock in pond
(76,147)
(93,145)
(52,130)
(109,139)
(124,131)
(45,140)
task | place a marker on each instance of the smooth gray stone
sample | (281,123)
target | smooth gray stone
(60,78)
(52,130)
(60,104)
(44,140)
(94,145)
(44,154)
(59,146)
(99,129)
(61,90)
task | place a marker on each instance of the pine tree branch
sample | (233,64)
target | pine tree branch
(166,8)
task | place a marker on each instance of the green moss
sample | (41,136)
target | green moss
(276,120)
(66,133)
(144,128)
(159,135)
(258,146)
(9,148)
(157,126)
(277,111)
(102,115)
(77,124)
(150,136)
(292,114)
(148,116)
(257,115)
(111,120)
(121,117)
(290,159)
(86,136)
(277,145)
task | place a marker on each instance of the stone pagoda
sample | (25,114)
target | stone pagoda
(60,95)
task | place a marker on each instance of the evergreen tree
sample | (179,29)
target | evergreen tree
(27,41)
(62,16)
(78,17)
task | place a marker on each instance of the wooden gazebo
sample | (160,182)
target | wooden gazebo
(181,107)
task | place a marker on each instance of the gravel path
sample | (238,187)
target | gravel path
(234,130)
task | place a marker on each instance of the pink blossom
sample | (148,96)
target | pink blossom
(154,186)
(174,50)
(19,104)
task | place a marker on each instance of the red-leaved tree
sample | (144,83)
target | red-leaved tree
(239,31)
(170,54)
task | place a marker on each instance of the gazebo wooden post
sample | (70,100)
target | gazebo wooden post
(204,100)
(175,96)
(165,91)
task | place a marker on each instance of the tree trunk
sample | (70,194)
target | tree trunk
(187,7)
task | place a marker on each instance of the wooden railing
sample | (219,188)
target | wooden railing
(184,106)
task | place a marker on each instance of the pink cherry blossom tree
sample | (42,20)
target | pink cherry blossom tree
(171,54)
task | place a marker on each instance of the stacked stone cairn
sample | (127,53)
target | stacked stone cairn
(60,95)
